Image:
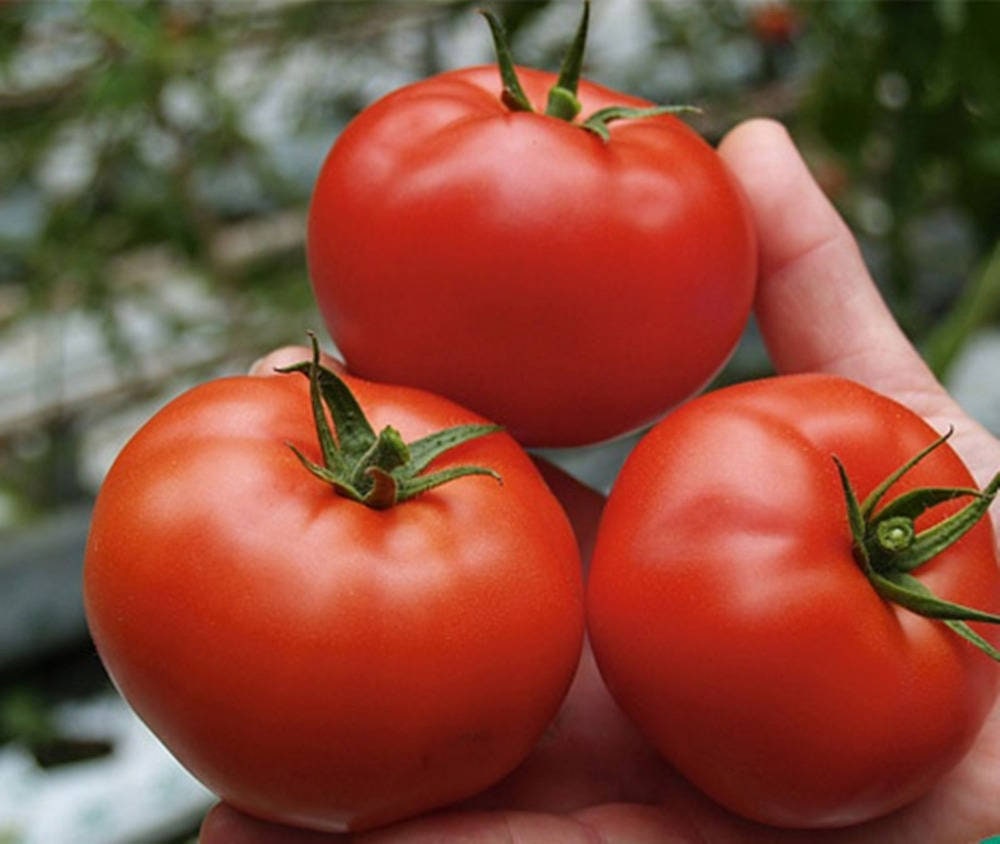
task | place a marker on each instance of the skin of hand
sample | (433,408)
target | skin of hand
(592,778)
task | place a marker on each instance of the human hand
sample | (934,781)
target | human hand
(592,777)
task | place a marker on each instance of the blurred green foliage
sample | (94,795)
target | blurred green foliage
(129,139)
(907,96)
(153,148)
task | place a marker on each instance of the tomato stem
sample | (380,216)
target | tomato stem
(887,545)
(599,120)
(377,470)
(563,102)
(513,94)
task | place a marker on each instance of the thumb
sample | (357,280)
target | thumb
(817,306)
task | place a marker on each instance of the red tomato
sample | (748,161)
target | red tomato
(313,660)
(568,287)
(732,622)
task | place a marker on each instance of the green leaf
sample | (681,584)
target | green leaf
(876,495)
(513,95)
(326,475)
(887,547)
(931,542)
(409,487)
(378,471)
(599,120)
(354,435)
(855,518)
(907,591)
(917,501)
(424,450)
(970,635)
(386,454)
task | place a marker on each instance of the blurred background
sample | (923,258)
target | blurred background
(156,163)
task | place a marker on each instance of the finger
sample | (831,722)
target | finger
(289,356)
(496,827)
(817,306)
(225,825)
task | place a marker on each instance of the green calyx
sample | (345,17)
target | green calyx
(887,545)
(377,470)
(562,100)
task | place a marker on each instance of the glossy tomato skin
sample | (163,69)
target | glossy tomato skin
(311,660)
(569,288)
(730,621)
